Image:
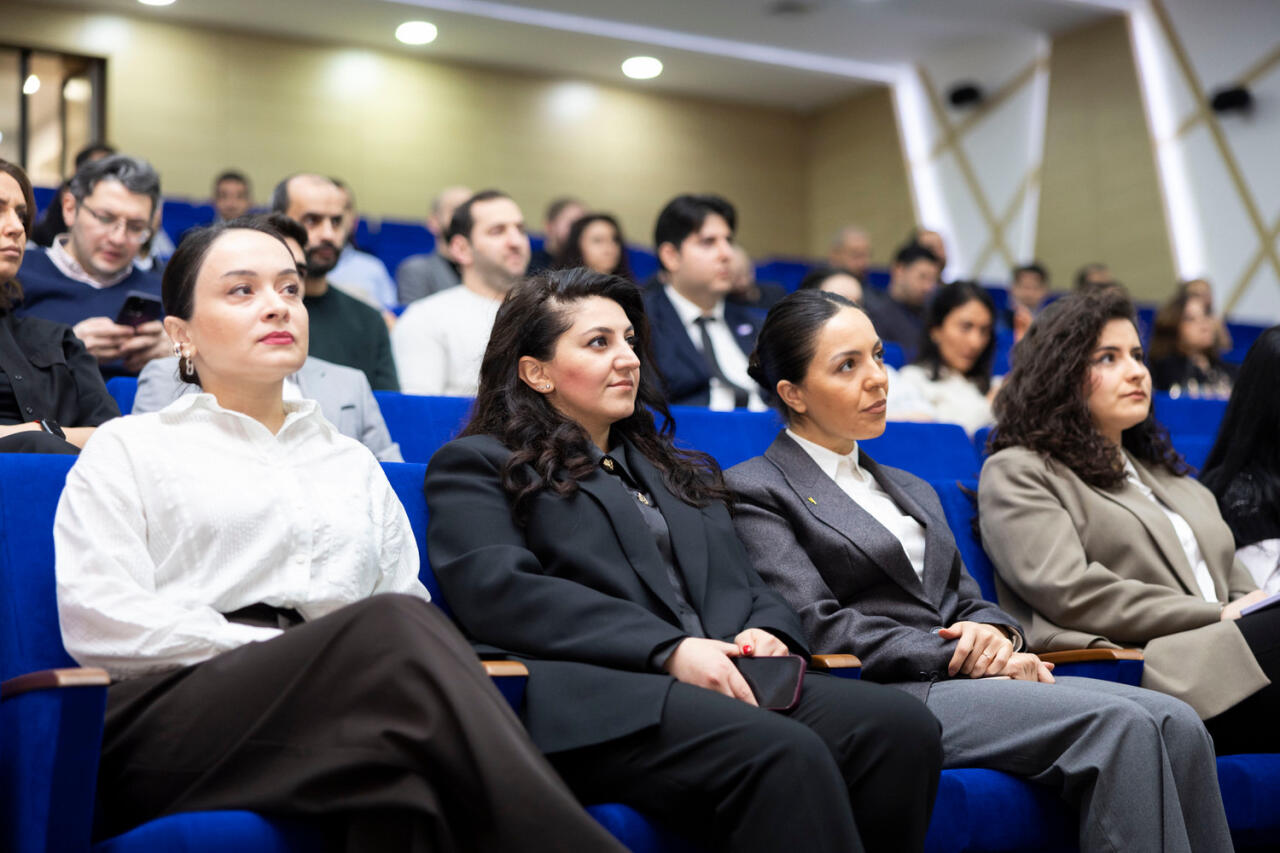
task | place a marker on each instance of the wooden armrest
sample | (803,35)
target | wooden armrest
(47,679)
(1091,655)
(500,668)
(829,662)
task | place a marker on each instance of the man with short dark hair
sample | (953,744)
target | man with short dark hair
(86,276)
(422,275)
(440,340)
(344,330)
(561,214)
(700,341)
(232,196)
(899,314)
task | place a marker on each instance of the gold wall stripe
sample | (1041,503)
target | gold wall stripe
(966,170)
(1004,93)
(1030,179)
(1219,139)
(1242,283)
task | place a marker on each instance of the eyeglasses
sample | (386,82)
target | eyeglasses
(136,229)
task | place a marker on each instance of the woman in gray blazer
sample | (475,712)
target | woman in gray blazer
(1101,539)
(864,554)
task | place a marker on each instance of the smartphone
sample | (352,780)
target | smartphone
(775,682)
(139,308)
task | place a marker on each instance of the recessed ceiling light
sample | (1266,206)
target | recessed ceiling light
(416,32)
(156,2)
(642,67)
(31,85)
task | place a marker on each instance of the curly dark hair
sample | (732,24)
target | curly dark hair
(1042,405)
(554,447)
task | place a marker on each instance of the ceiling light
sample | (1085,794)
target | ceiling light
(642,68)
(416,32)
(31,85)
(77,90)
(156,2)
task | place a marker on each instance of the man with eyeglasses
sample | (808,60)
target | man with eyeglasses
(85,278)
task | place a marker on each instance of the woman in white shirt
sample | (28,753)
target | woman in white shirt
(248,578)
(864,555)
(953,371)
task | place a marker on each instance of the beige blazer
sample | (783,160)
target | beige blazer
(1082,567)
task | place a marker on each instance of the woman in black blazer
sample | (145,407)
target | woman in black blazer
(864,554)
(565,529)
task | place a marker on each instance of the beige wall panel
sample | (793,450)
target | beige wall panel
(857,174)
(196,101)
(1100,197)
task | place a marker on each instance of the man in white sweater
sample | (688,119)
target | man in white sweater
(439,341)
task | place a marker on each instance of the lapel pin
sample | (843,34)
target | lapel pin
(812,501)
(744,329)
(607,463)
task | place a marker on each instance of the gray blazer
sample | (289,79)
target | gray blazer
(345,399)
(847,576)
(1082,567)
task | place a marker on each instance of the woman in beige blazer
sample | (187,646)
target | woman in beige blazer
(1099,536)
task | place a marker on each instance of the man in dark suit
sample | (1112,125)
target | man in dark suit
(700,341)
(899,314)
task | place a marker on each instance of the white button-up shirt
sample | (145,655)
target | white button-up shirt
(730,357)
(859,485)
(170,519)
(1186,537)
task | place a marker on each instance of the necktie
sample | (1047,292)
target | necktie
(709,353)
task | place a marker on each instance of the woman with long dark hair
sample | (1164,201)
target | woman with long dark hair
(595,242)
(52,396)
(248,578)
(567,530)
(1101,539)
(953,370)
(1243,469)
(863,553)
(1185,358)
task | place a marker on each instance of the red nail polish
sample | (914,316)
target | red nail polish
(746,650)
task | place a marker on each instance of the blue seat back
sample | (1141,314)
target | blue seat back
(731,437)
(787,272)
(422,424)
(399,240)
(893,355)
(930,451)
(178,217)
(643,262)
(124,389)
(406,478)
(960,511)
(1188,416)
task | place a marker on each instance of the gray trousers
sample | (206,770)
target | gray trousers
(1138,764)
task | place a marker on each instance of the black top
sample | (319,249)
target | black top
(1249,507)
(895,321)
(1179,375)
(346,331)
(51,375)
(10,413)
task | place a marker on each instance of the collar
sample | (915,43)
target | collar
(687,311)
(295,411)
(71,268)
(828,460)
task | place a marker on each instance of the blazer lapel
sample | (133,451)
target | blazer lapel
(1158,526)
(633,534)
(939,547)
(671,329)
(1178,557)
(828,503)
(685,524)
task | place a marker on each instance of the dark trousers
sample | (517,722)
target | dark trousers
(853,767)
(379,715)
(1250,725)
(36,441)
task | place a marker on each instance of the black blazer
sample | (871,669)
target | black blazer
(580,591)
(847,576)
(52,374)
(681,365)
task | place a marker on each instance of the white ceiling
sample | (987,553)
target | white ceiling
(733,50)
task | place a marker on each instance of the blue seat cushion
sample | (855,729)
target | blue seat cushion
(217,832)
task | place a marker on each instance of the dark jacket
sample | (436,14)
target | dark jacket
(684,372)
(580,590)
(52,374)
(847,576)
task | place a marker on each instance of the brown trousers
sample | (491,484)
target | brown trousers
(378,715)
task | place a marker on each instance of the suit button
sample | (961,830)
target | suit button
(17,377)
(924,676)
(28,410)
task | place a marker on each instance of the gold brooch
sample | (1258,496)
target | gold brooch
(812,501)
(642,498)
(607,463)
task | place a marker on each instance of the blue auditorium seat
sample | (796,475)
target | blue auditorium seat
(421,424)
(643,263)
(398,240)
(893,355)
(124,389)
(787,272)
(1188,416)
(731,437)
(1242,337)
(180,217)
(930,451)
(44,196)
(366,236)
